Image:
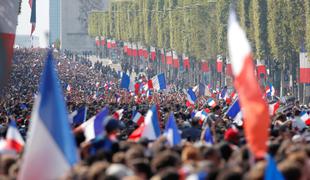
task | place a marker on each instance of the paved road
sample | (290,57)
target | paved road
(108,62)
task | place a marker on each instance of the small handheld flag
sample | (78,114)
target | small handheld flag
(138,118)
(191,96)
(126,82)
(171,131)
(94,126)
(14,138)
(158,82)
(208,136)
(151,128)
(78,116)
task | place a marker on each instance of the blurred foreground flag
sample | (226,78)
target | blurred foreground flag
(271,170)
(254,108)
(151,128)
(8,22)
(171,132)
(50,150)
(14,138)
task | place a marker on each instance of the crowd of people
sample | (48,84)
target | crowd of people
(115,156)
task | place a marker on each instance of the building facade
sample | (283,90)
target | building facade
(73,34)
(54,23)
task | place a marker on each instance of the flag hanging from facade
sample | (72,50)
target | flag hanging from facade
(254,108)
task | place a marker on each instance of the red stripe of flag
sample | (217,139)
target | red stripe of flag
(254,108)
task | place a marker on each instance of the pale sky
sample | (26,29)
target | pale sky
(42,25)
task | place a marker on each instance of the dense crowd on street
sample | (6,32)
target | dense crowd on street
(114,156)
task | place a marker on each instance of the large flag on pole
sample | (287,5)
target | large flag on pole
(50,149)
(8,22)
(254,108)
(33,17)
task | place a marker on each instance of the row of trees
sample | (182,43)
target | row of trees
(278,30)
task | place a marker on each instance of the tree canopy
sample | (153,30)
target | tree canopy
(276,29)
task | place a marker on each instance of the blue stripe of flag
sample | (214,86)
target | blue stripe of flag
(53,111)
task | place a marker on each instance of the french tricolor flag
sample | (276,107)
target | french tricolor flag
(151,128)
(126,82)
(137,133)
(172,132)
(50,150)
(97,40)
(109,44)
(191,96)
(125,47)
(261,69)
(158,82)
(93,126)
(273,107)
(224,94)
(219,64)
(270,91)
(304,70)
(254,108)
(169,58)
(138,118)
(118,114)
(202,115)
(234,112)
(153,53)
(13,138)
(211,102)
(8,22)
(305,117)
(186,63)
